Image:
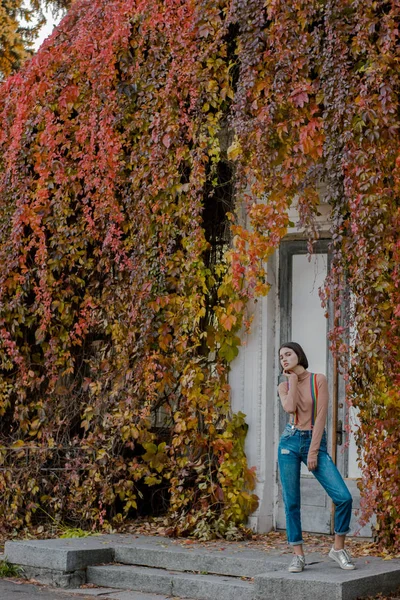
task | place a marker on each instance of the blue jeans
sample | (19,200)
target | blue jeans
(292,451)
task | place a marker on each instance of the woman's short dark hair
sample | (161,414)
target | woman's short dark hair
(303,362)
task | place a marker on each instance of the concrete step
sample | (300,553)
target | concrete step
(326,580)
(67,563)
(171,583)
(64,554)
(242,563)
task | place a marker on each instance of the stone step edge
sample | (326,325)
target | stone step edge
(327,581)
(64,559)
(192,560)
(132,569)
(171,583)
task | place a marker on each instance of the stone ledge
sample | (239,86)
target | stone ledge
(66,562)
(327,580)
(171,583)
(247,563)
(65,555)
(54,577)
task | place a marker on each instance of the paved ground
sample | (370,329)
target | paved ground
(23,591)
(13,590)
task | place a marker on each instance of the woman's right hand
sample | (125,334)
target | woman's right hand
(290,375)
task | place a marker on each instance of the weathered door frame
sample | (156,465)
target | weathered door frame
(310,487)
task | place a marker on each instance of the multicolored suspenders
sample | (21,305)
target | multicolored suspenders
(314,396)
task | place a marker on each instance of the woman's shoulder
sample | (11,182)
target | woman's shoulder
(321,378)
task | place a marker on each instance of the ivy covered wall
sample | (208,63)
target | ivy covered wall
(125,271)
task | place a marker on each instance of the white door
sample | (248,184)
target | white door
(303,320)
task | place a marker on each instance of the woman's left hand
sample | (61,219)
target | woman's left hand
(312,463)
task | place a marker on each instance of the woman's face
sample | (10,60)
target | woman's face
(288,359)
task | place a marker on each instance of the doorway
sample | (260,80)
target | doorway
(302,319)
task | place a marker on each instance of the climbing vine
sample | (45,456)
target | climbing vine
(364,120)
(149,154)
(114,359)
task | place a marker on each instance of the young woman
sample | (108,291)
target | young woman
(305,397)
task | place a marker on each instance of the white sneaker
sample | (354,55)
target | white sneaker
(343,558)
(297,565)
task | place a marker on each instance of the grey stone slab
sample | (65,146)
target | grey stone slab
(245,564)
(140,579)
(63,563)
(220,546)
(170,583)
(61,554)
(54,577)
(211,587)
(327,580)
(78,553)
